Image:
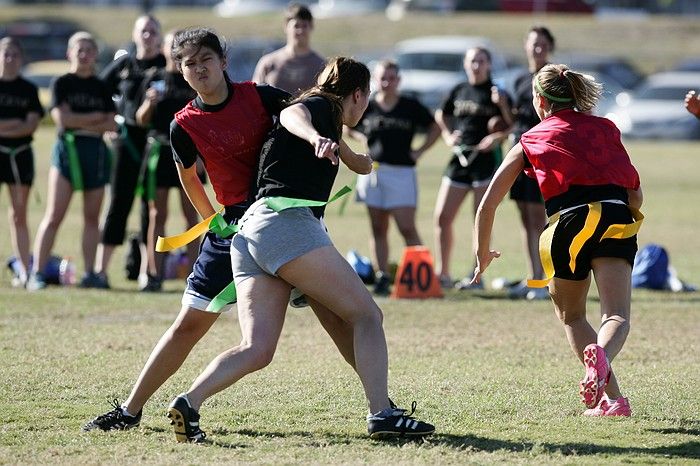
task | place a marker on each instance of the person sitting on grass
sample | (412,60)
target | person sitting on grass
(592,195)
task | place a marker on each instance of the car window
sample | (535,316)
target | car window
(431,61)
(662,93)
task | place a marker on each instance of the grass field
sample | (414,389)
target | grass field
(496,376)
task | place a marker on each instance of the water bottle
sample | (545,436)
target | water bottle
(66,272)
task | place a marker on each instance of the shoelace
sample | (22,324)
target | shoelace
(403,411)
(116,413)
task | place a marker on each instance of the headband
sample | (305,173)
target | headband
(550,97)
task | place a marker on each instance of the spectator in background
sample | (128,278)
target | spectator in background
(539,43)
(20,113)
(83,111)
(295,66)
(391,190)
(124,77)
(165,92)
(464,121)
(692,103)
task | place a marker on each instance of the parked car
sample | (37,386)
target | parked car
(229,8)
(331,8)
(655,110)
(432,65)
(618,69)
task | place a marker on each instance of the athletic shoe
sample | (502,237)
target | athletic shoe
(394,422)
(446,282)
(592,387)
(114,420)
(36,282)
(150,284)
(535,294)
(94,280)
(382,284)
(465,284)
(185,421)
(297,299)
(608,407)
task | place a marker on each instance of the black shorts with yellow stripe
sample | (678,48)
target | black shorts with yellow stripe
(572,222)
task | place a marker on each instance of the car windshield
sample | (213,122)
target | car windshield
(432,61)
(662,93)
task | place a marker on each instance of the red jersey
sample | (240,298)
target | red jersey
(229,140)
(573,148)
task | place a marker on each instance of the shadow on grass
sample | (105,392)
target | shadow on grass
(677,430)
(689,450)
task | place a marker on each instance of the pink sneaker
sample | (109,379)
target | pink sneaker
(606,407)
(597,376)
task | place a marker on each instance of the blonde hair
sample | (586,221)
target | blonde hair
(566,88)
(81,35)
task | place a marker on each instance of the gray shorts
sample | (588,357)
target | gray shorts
(267,239)
(388,187)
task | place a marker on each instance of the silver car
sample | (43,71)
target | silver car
(655,109)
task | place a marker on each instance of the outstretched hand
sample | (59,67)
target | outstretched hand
(326,148)
(482,263)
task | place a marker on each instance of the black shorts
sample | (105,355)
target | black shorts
(526,189)
(24,164)
(572,222)
(477,173)
(166,170)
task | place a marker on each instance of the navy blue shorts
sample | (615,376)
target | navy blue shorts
(93,156)
(211,272)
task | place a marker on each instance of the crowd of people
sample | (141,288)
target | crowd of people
(167,117)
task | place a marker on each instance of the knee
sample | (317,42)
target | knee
(17,217)
(259,354)
(373,316)
(187,331)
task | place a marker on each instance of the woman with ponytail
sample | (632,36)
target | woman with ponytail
(592,195)
(282,243)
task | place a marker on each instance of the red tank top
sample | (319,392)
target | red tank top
(229,140)
(573,148)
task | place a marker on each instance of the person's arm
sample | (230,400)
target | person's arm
(144,114)
(297,120)
(692,103)
(444,122)
(359,163)
(17,127)
(97,122)
(635,197)
(502,181)
(431,137)
(195,190)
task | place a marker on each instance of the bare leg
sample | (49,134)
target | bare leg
(340,331)
(613,279)
(104,256)
(92,202)
(169,353)
(405,218)
(379,243)
(57,202)
(19,232)
(262,304)
(569,297)
(447,205)
(158,214)
(349,300)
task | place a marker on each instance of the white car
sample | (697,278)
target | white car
(655,110)
(432,65)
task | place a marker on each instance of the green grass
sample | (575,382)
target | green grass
(496,376)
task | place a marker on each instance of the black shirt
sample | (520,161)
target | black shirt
(525,114)
(471,107)
(184,150)
(288,165)
(18,98)
(83,95)
(124,77)
(176,94)
(389,134)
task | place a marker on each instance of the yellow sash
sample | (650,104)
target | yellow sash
(616,231)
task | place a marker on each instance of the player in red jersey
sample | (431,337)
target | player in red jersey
(592,195)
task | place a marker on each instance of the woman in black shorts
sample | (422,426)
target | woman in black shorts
(83,111)
(464,120)
(592,195)
(283,243)
(20,113)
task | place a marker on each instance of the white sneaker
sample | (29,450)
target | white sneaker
(537,293)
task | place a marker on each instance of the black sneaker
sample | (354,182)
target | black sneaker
(94,280)
(114,420)
(185,421)
(394,422)
(382,284)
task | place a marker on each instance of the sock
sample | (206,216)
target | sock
(126,411)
